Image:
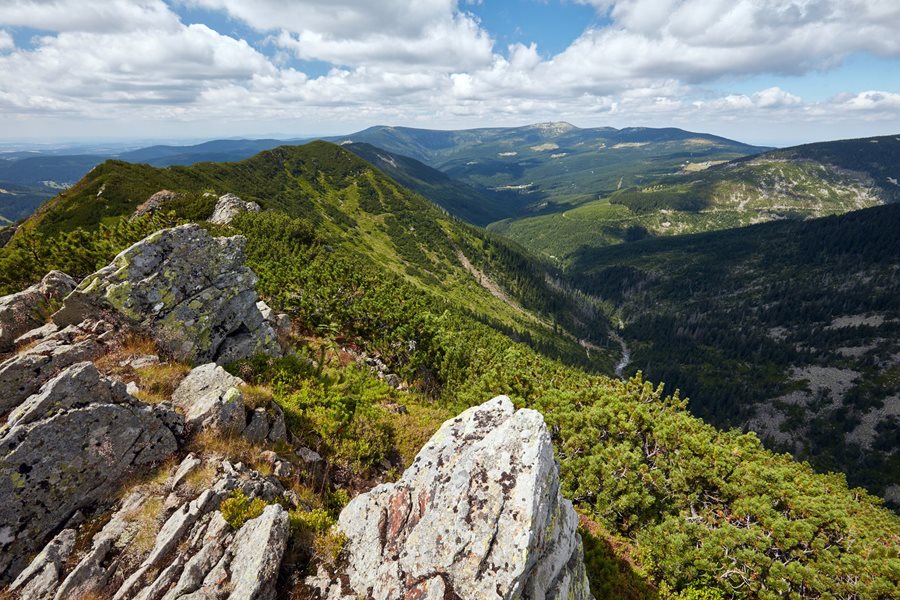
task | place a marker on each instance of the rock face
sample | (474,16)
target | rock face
(195,553)
(210,397)
(478,515)
(21,375)
(25,310)
(154,203)
(65,448)
(228,207)
(189,290)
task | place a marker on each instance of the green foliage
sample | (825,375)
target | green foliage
(237,509)
(341,409)
(725,316)
(698,506)
(31,254)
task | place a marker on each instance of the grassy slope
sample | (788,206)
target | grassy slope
(473,204)
(339,192)
(733,195)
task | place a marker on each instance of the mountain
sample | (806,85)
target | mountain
(337,191)
(27,181)
(212,151)
(400,317)
(790,329)
(553,165)
(476,205)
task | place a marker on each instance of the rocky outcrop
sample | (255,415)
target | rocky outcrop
(478,515)
(190,291)
(67,447)
(210,397)
(28,309)
(228,207)
(21,375)
(195,553)
(154,203)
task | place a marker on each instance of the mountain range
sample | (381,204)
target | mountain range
(785,328)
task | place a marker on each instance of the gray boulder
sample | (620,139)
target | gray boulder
(23,311)
(228,207)
(478,515)
(154,203)
(190,291)
(21,375)
(210,397)
(67,448)
(195,553)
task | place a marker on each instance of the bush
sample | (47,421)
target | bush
(237,509)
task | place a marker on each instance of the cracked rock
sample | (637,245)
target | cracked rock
(190,291)
(478,515)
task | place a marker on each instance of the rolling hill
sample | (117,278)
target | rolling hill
(401,231)
(793,183)
(28,180)
(553,165)
(477,205)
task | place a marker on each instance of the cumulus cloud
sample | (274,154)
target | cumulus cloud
(432,62)
(100,16)
(6,41)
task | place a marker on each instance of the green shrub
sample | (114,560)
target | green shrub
(237,509)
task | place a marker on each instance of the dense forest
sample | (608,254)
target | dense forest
(787,328)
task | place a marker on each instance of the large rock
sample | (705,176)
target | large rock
(189,290)
(478,515)
(210,397)
(195,553)
(228,207)
(154,203)
(67,448)
(21,375)
(25,310)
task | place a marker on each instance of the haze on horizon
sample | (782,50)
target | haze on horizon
(774,72)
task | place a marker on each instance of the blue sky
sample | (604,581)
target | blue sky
(764,71)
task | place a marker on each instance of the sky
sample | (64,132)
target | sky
(773,72)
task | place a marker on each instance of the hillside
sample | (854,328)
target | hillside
(789,329)
(793,183)
(670,507)
(27,181)
(474,204)
(553,165)
(338,192)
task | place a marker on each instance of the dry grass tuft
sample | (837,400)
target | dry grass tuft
(157,383)
(256,396)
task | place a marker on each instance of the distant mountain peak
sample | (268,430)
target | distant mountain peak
(554,127)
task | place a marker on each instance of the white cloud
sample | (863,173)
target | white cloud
(351,32)
(430,62)
(6,41)
(100,16)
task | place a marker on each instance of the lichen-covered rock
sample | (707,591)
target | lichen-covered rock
(66,448)
(228,207)
(210,397)
(478,515)
(190,291)
(194,554)
(154,203)
(28,309)
(39,580)
(21,375)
